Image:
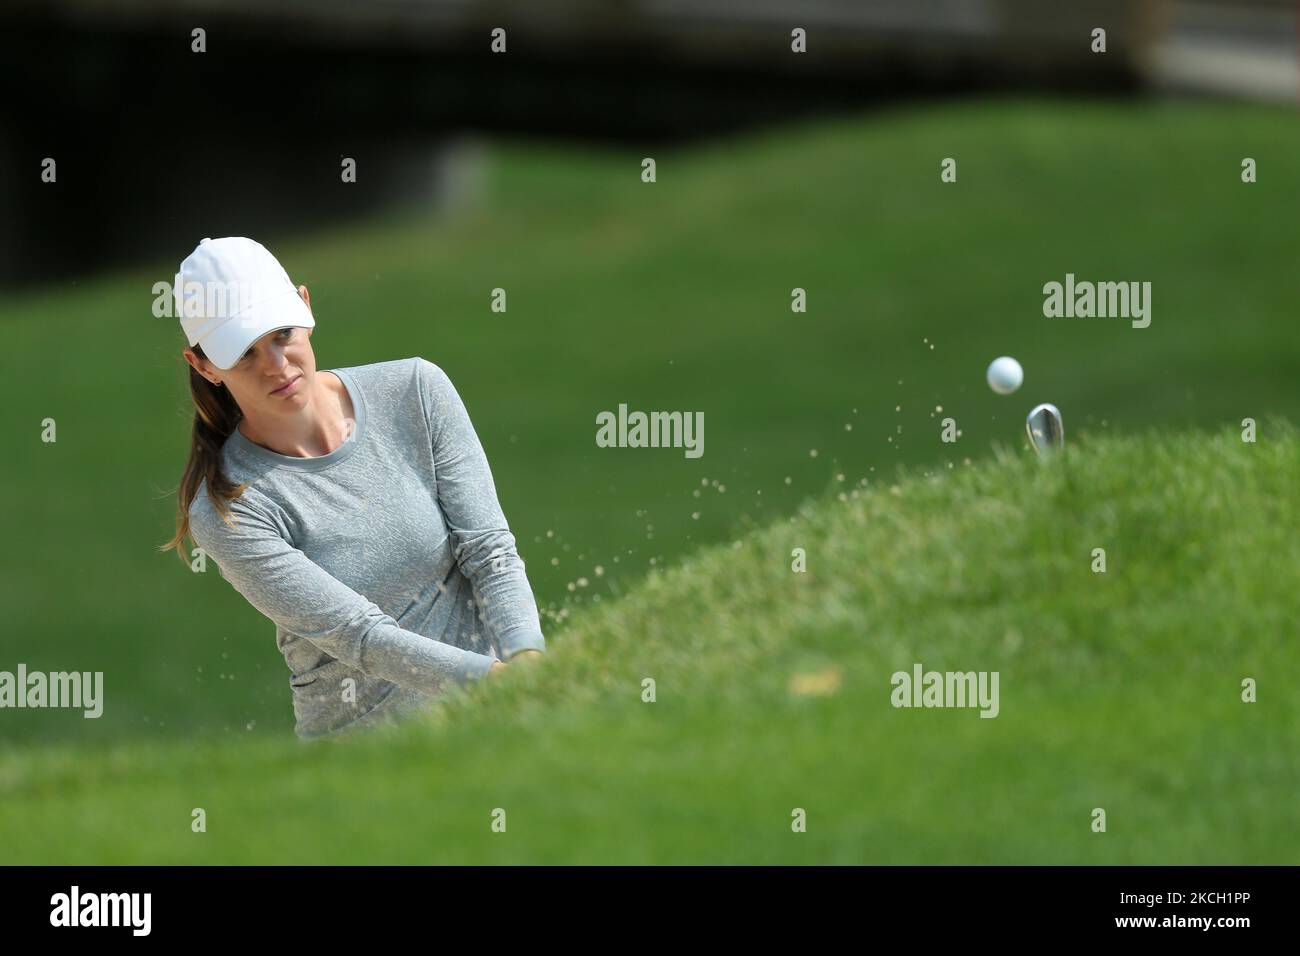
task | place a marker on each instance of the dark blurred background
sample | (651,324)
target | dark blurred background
(150,137)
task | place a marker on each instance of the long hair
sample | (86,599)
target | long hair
(215,416)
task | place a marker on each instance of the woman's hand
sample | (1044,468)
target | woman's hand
(497,665)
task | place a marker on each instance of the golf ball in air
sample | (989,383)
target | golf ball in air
(1005,375)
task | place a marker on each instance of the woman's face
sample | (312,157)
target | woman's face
(274,376)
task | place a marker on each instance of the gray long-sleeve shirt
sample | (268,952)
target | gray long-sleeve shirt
(387,565)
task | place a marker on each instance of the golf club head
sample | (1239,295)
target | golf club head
(1046,431)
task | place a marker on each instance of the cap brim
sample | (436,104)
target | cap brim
(226,344)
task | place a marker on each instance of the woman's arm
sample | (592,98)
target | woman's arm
(482,542)
(303,598)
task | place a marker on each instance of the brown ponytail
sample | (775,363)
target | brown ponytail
(215,416)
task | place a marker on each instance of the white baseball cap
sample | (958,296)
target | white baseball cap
(230,292)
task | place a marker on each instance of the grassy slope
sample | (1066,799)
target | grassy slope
(1118,690)
(671,296)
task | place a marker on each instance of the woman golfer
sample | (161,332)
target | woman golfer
(353,507)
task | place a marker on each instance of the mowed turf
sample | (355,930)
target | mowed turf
(1119,690)
(666,296)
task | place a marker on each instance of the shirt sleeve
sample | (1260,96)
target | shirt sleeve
(481,540)
(303,598)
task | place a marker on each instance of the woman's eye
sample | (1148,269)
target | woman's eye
(285,334)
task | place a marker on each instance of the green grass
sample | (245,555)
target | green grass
(1119,690)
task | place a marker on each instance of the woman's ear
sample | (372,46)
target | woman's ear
(306,296)
(197,364)
(192,359)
